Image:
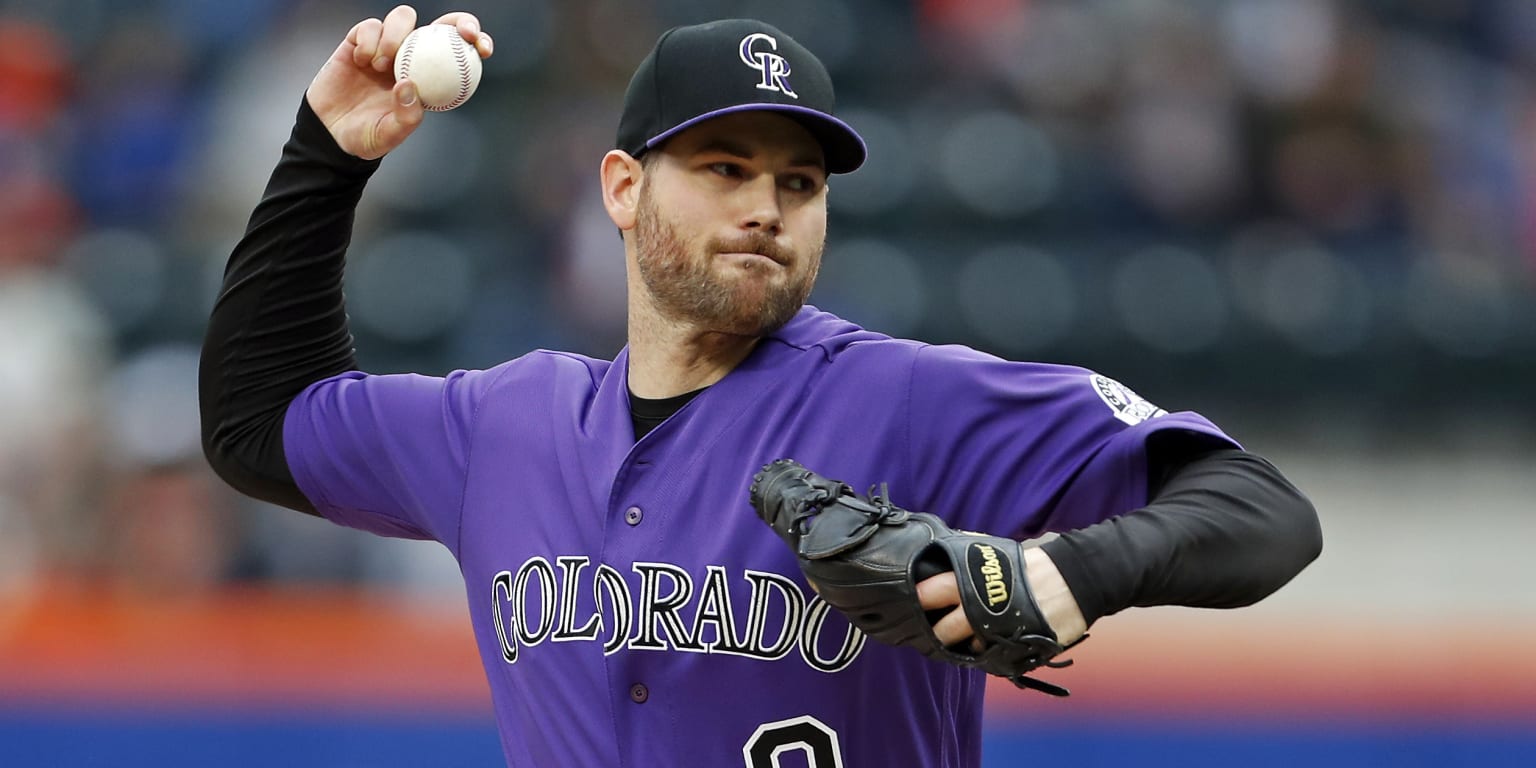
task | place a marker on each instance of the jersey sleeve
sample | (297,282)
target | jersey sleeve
(1018,449)
(386,454)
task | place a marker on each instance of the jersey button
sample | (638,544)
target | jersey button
(633,515)
(638,693)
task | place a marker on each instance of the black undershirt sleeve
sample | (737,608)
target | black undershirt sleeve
(280,322)
(1223,529)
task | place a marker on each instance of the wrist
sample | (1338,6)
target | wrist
(321,146)
(1053,596)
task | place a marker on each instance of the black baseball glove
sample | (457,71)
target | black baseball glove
(864,556)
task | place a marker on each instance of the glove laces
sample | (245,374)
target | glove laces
(881,510)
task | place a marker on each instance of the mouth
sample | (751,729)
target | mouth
(751,256)
(750,248)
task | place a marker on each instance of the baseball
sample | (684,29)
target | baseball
(445,68)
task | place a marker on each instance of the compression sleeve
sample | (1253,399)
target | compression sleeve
(280,323)
(1223,530)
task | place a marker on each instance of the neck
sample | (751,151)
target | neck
(669,358)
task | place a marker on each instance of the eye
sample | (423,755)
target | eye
(728,170)
(800,182)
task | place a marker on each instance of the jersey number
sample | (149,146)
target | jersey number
(806,733)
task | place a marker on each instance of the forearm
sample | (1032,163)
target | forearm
(280,323)
(1225,530)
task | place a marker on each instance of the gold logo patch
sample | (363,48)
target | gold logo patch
(991,572)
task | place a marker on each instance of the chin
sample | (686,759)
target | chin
(764,320)
(737,317)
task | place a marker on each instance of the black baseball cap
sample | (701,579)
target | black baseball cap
(735,65)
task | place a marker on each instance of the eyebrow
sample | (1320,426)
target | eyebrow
(737,149)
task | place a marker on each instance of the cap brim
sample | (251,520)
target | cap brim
(842,146)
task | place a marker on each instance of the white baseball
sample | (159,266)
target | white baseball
(445,68)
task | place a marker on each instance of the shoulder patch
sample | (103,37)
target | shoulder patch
(1127,406)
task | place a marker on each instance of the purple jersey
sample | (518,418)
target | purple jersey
(629,606)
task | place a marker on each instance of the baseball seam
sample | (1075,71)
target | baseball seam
(405,54)
(461,59)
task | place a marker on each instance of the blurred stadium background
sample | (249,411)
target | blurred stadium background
(1312,220)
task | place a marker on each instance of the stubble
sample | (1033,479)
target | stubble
(686,284)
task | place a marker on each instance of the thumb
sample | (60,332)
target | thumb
(405,94)
(404,115)
(408,108)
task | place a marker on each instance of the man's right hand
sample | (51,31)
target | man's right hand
(355,93)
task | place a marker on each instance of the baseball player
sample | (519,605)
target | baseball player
(746,535)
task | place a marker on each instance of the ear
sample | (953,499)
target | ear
(621,176)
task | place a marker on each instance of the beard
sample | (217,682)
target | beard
(685,283)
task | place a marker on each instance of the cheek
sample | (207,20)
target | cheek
(678,224)
(695,223)
(810,226)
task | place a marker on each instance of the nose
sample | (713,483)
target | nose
(761,205)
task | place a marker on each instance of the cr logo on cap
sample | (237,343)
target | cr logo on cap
(775,68)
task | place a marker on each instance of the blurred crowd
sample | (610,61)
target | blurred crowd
(1294,215)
